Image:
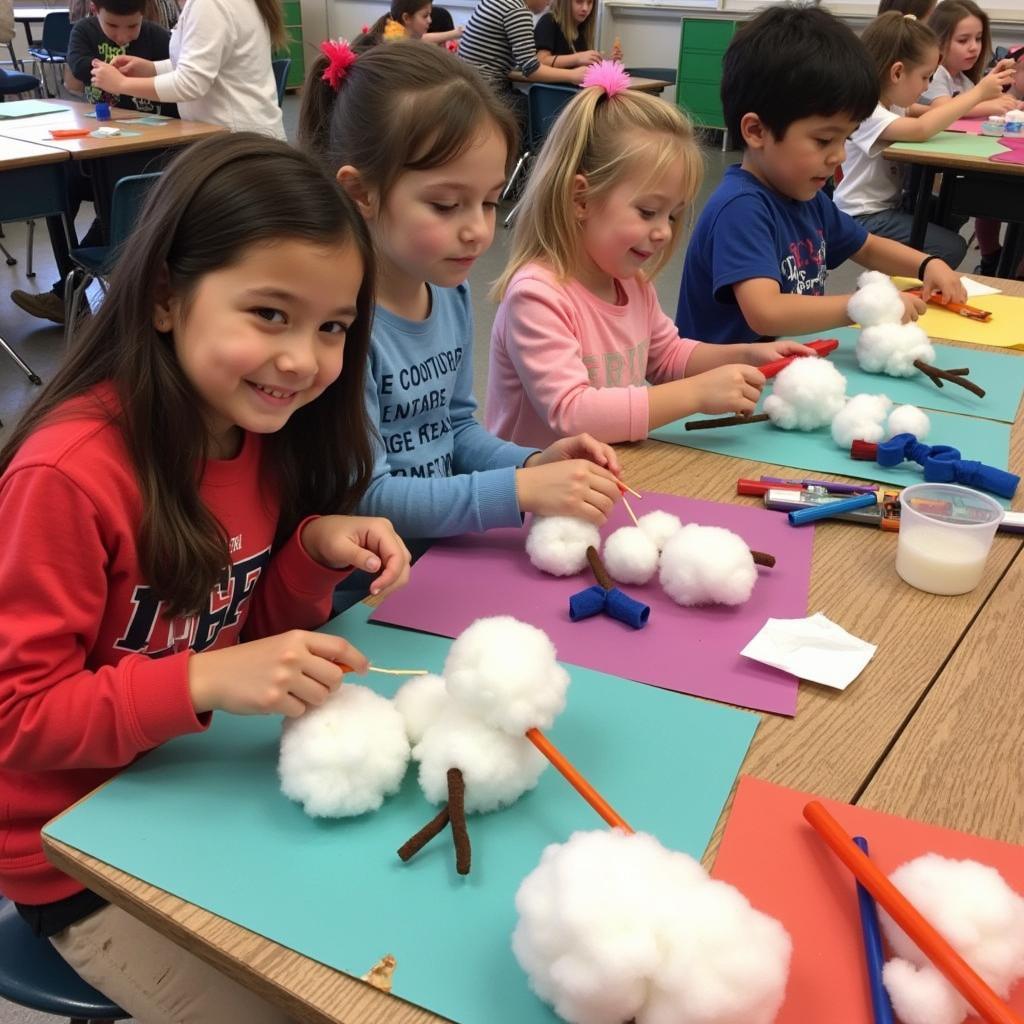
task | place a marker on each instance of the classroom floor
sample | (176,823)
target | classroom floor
(41,344)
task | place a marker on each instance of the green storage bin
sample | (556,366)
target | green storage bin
(700,67)
(707,34)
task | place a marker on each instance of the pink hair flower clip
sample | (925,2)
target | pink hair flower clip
(339,59)
(609,75)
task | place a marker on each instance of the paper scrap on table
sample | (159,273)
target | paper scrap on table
(973,288)
(815,648)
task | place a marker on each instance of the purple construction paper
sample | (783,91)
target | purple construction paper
(1015,151)
(690,650)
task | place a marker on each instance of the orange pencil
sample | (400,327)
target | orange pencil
(580,784)
(957,971)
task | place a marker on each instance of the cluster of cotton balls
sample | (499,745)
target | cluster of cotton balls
(873,418)
(615,927)
(807,394)
(695,564)
(886,345)
(971,905)
(500,679)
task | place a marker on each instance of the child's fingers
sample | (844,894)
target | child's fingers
(395,573)
(337,651)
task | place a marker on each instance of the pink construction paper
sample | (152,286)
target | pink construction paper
(776,859)
(1014,154)
(968,125)
(690,650)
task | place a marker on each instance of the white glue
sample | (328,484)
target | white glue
(941,561)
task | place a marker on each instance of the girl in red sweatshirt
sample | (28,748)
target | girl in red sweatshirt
(173,508)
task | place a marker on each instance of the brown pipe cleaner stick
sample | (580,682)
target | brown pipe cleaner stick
(763,558)
(415,843)
(957,376)
(457,811)
(600,572)
(725,421)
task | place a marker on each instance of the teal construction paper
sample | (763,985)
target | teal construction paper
(203,817)
(814,451)
(1001,376)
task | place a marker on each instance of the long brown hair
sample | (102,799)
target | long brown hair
(561,14)
(897,38)
(273,17)
(401,107)
(218,198)
(944,21)
(397,12)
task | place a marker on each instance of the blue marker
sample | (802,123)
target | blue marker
(873,953)
(798,517)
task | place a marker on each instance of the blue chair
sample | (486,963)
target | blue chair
(53,48)
(33,974)
(14,83)
(661,74)
(94,263)
(281,68)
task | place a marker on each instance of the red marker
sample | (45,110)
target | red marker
(821,347)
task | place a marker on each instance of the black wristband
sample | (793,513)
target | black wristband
(924,263)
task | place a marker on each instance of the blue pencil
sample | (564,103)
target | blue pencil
(873,953)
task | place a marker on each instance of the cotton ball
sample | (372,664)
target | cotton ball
(497,768)
(876,301)
(615,927)
(420,703)
(707,565)
(971,905)
(558,544)
(892,349)
(505,672)
(921,995)
(807,394)
(659,526)
(862,418)
(344,757)
(630,555)
(908,419)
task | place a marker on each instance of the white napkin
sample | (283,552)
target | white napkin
(976,288)
(814,648)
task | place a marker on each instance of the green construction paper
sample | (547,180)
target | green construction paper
(203,817)
(954,144)
(1000,376)
(27,108)
(814,451)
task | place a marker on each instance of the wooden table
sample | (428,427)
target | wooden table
(27,16)
(888,742)
(972,186)
(654,85)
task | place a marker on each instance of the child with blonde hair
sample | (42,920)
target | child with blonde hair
(579,330)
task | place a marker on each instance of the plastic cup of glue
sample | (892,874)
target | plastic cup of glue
(994,126)
(945,535)
(102,111)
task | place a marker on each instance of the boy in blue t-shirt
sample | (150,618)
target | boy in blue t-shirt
(796,82)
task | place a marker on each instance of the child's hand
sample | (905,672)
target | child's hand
(106,78)
(997,80)
(913,306)
(940,280)
(577,74)
(587,57)
(574,487)
(582,446)
(278,675)
(734,388)
(133,67)
(762,352)
(1004,103)
(363,542)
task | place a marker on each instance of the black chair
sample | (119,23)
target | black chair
(660,74)
(281,68)
(53,48)
(33,974)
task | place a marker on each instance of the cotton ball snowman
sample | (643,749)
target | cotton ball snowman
(876,301)
(659,525)
(861,419)
(558,544)
(468,728)
(893,349)
(614,927)
(971,905)
(807,394)
(907,419)
(631,553)
(342,758)
(707,565)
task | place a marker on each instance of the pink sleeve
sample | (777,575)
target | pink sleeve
(669,353)
(545,348)
(55,711)
(296,592)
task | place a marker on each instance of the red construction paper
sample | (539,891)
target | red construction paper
(782,866)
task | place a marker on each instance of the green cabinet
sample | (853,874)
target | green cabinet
(293,48)
(702,44)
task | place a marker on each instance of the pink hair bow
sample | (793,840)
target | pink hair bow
(609,75)
(339,59)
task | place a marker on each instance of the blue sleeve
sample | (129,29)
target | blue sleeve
(743,245)
(845,236)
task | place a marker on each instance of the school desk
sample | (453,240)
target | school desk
(931,727)
(652,85)
(29,16)
(971,185)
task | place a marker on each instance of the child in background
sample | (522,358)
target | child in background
(423,147)
(161,567)
(565,34)
(796,83)
(406,19)
(579,329)
(118,28)
(905,53)
(920,9)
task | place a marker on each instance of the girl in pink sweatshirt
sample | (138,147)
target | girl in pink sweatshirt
(579,332)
